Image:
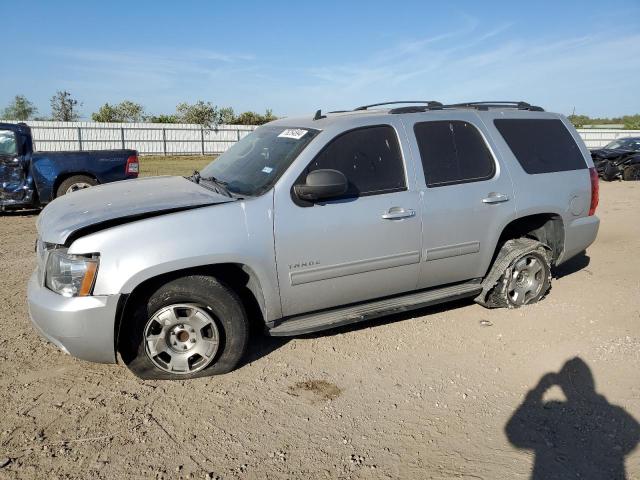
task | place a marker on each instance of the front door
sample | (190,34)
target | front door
(467,198)
(12,170)
(362,246)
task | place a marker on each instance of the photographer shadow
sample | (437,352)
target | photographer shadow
(582,437)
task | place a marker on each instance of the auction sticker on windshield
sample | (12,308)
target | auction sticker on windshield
(295,133)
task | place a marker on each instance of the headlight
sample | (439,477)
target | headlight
(70,275)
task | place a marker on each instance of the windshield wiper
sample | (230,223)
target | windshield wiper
(219,185)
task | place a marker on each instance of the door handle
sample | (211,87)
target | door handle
(396,213)
(496,198)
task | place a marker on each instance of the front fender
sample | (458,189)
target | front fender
(238,232)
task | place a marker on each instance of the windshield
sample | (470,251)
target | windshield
(626,143)
(254,164)
(8,143)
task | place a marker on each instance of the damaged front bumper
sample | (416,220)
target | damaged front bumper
(80,326)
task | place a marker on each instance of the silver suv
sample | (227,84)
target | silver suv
(310,223)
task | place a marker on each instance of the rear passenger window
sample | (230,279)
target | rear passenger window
(369,157)
(453,152)
(541,146)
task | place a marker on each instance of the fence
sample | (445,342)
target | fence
(147,138)
(599,137)
(186,139)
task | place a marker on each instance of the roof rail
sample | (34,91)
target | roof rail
(496,104)
(430,103)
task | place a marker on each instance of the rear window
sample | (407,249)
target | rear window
(541,146)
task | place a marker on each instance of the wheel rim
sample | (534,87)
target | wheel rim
(527,279)
(77,186)
(181,338)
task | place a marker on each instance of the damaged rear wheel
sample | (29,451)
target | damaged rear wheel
(524,270)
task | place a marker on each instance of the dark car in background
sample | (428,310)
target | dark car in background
(619,159)
(31,179)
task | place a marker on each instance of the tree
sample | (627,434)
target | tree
(162,118)
(226,116)
(200,113)
(579,120)
(253,118)
(63,107)
(106,113)
(130,111)
(19,109)
(631,122)
(126,111)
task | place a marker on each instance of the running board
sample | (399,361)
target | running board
(313,322)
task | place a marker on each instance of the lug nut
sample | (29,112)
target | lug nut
(193,340)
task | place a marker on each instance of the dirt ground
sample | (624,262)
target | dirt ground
(429,394)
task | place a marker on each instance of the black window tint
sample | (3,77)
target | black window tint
(369,157)
(541,146)
(453,152)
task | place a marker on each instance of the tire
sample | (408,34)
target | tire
(76,182)
(174,318)
(631,172)
(525,275)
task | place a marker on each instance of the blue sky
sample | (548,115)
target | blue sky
(295,57)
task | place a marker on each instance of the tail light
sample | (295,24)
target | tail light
(595,190)
(133,167)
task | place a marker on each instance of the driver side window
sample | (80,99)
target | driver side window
(369,157)
(8,144)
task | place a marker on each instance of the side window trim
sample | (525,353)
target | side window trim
(494,160)
(405,179)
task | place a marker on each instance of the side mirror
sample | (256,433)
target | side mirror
(322,185)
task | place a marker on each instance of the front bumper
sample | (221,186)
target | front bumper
(80,326)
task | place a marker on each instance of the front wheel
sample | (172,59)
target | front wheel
(631,172)
(190,327)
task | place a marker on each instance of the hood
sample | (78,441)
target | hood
(607,153)
(115,203)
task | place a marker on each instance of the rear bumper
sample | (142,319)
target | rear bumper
(80,326)
(578,235)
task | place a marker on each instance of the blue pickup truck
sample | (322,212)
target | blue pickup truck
(31,179)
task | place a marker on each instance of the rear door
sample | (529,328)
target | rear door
(466,193)
(363,246)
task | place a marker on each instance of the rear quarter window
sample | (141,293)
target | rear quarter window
(541,145)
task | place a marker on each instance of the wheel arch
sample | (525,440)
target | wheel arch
(547,228)
(239,277)
(64,176)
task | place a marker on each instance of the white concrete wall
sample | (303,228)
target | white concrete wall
(186,139)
